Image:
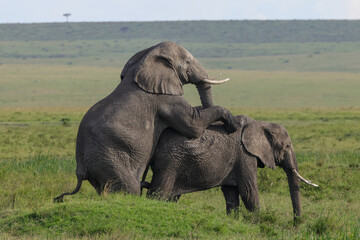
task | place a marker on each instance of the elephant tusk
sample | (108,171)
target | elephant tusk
(216,81)
(303,179)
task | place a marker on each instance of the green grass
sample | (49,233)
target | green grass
(330,211)
(284,89)
(37,163)
(307,56)
(41,85)
(82,86)
(320,131)
(303,62)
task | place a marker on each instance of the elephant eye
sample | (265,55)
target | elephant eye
(188,62)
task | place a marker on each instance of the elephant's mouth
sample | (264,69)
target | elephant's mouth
(303,179)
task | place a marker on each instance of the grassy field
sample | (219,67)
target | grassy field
(301,74)
(81,86)
(293,56)
(37,163)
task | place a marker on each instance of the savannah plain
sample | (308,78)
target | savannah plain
(304,75)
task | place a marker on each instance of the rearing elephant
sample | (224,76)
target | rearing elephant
(118,135)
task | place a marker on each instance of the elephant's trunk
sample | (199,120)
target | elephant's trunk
(205,93)
(294,186)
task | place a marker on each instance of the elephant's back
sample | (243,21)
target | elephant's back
(199,163)
(121,122)
(171,139)
(121,110)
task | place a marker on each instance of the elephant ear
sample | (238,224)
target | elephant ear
(133,61)
(155,73)
(256,138)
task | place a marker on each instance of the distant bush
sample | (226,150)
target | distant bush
(65,121)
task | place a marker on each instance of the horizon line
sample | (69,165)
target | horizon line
(197,20)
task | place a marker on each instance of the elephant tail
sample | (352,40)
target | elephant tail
(60,198)
(145,184)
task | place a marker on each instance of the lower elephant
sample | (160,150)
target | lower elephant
(181,165)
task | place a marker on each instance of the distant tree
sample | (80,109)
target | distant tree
(67,16)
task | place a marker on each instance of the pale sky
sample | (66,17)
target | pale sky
(35,11)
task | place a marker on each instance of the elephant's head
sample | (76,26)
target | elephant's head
(271,144)
(165,68)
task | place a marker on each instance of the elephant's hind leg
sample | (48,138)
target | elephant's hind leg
(98,186)
(162,187)
(112,173)
(231,195)
(125,183)
(114,184)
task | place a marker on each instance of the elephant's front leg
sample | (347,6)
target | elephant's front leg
(192,122)
(231,195)
(246,173)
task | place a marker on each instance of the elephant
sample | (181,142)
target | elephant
(181,165)
(117,136)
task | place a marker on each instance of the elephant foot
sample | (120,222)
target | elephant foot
(231,195)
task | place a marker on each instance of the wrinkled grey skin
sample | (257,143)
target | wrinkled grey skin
(181,165)
(118,135)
